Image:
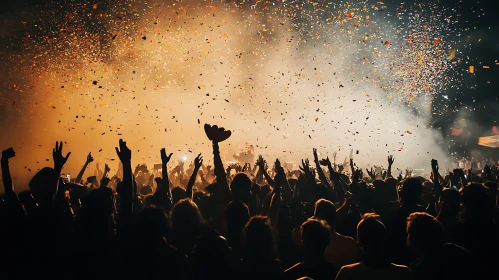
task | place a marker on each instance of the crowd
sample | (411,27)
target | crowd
(251,221)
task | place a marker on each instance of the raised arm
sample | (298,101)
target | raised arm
(261,165)
(82,171)
(217,135)
(10,196)
(436,177)
(391,159)
(164,171)
(6,177)
(59,162)
(126,191)
(222,193)
(197,164)
(322,176)
(106,172)
(335,179)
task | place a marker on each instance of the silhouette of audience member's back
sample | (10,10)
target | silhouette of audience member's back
(259,252)
(236,216)
(437,260)
(187,225)
(316,237)
(371,234)
(479,231)
(151,256)
(211,258)
(410,194)
(342,250)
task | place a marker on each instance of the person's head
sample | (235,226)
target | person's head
(42,186)
(240,187)
(161,200)
(315,235)
(151,224)
(321,191)
(451,199)
(145,190)
(211,257)
(186,215)
(147,200)
(371,234)
(236,216)
(478,206)
(411,191)
(325,210)
(425,234)
(178,193)
(391,188)
(97,211)
(258,241)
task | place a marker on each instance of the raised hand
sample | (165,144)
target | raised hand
(8,154)
(408,173)
(261,162)
(6,176)
(277,165)
(90,158)
(371,173)
(316,157)
(198,161)
(357,175)
(59,160)
(280,176)
(434,164)
(334,156)
(340,168)
(245,167)
(123,152)
(391,159)
(164,158)
(305,167)
(106,168)
(325,162)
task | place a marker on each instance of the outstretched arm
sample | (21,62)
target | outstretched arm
(10,196)
(322,176)
(126,191)
(106,171)
(391,159)
(222,193)
(335,178)
(197,164)
(436,177)
(219,169)
(164,171)
(261,166)
(59,162)
(82,171)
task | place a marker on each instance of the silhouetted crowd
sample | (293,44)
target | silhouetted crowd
(249,221)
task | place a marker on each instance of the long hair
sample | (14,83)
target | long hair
(258,240)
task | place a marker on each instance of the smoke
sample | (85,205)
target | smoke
(155,76)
